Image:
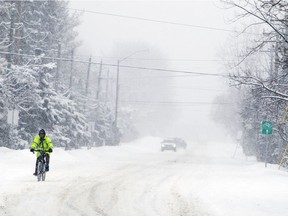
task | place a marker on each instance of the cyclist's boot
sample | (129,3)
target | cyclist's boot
(46,167)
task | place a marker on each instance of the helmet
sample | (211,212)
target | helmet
(42,131)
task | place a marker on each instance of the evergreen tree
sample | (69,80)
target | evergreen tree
(28,83)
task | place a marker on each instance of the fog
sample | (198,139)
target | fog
(172,35)
(142,71)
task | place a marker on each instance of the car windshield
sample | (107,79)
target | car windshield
(168,141)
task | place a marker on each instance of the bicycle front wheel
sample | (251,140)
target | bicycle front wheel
(39,170)
(43,174)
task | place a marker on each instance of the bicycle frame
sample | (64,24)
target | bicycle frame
(41,173)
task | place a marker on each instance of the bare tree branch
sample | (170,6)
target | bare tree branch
(258,17)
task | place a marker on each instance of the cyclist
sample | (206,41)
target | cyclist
(42,142)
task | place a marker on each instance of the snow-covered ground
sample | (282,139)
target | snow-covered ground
(136,179)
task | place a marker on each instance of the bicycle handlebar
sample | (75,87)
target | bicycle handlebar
(44,151)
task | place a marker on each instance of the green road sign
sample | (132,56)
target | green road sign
(267,127)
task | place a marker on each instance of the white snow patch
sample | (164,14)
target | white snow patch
(136,178)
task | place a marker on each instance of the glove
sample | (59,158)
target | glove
(32,150)
(50,150)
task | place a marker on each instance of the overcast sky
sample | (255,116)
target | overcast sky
(190,35)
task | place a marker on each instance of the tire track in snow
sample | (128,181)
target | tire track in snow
(184,206)
(3,205)
(71,198)
(116,186)
(79,202)
(134,188)
(184,202)
(152,193)
(135,181)
(155,191)
(110,183)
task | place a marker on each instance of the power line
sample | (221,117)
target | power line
(161,59)
(201,89)
(180,88)
(183,103)
(169,70)
(163,76)
(123,66)
(156,21)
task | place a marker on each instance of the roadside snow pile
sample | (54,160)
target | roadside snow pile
(146,144)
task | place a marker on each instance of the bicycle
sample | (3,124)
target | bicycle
(41,172)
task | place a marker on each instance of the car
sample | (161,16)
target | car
(168,144)
(180,143)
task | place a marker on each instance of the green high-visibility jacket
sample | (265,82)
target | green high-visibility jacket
(42,145)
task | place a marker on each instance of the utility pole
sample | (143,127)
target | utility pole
(87,83)
(107,86)
(11,36)
(88,76)
(58,60)
(117,93)
(117,81)
(18,31)
(58,66)
(71,69)
(99,81)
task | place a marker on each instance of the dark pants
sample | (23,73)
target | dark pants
(47,160)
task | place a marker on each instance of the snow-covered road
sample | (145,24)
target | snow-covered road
(136,179)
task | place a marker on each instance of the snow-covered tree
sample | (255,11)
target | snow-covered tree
(263,70)
(104,131)
(27,83)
